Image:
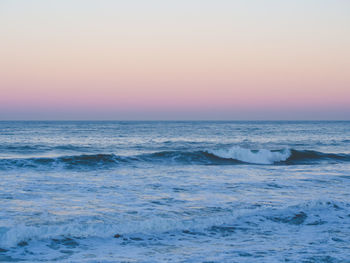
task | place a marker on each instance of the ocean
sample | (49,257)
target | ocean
(175,191)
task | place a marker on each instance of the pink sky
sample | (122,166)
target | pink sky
(183,60)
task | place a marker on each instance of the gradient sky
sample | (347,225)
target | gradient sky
(181,59)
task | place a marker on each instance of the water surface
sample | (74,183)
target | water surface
(175,191)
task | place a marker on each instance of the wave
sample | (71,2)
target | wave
(308,156)
(311,213)
(284,156)
(262,156)
(75,161)
(239,155)
(230,156)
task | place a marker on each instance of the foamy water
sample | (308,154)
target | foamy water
(175,191)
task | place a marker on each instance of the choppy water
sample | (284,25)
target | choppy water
(175,191)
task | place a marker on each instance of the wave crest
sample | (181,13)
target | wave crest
(262,156)
(230,156)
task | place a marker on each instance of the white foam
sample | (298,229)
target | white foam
(262,156)
(315,210)
(10,236)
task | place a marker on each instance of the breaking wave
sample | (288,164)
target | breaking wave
(230,156)
(262,156)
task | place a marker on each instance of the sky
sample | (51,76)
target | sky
(174,60)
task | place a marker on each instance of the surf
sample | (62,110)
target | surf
(225,156)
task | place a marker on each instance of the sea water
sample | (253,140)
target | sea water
(84,191)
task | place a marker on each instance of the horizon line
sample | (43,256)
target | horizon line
(177,120)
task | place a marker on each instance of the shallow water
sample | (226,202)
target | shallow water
(175,191)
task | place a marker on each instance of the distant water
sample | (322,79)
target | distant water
(175,191)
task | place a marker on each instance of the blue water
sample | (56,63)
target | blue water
(175,191)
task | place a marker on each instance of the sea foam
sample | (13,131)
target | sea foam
(262,156)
